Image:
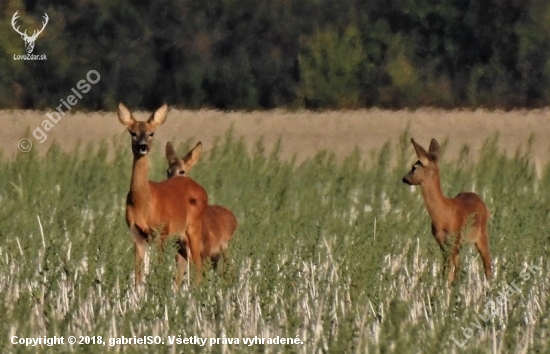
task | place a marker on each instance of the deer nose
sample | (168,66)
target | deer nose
(405,180)
(142,148)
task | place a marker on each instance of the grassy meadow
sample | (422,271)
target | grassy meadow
(335,253)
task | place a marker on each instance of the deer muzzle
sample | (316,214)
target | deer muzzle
(142,148)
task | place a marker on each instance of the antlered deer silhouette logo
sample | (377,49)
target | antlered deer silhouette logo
(29,40)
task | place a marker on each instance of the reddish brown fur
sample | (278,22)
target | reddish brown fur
(463,217)
(219,224)
(176,205)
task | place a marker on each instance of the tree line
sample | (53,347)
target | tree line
(262,54)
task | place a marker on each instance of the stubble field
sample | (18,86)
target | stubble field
(332,249)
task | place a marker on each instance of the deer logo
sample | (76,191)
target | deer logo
(29,40)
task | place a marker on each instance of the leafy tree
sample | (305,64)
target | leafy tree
(330,68)
(247,54)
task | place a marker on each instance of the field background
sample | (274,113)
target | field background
(302,133)
(331,247)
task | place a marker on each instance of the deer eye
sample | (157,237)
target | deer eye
(134,134)
(151,134)
(181,172)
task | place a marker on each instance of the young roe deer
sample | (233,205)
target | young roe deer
(176,206)
(454,220)
(218,223)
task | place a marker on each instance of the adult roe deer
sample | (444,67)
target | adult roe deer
(175,206)
(463,217)
(218,223)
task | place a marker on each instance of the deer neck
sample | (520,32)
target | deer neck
(433,198)
(139,185)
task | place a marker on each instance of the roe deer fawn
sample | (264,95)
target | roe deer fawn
(463,217)
(176,206)
(218,223)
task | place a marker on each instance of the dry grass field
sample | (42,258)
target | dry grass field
(302,133)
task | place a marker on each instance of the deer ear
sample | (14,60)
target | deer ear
(159,116)
(170,152)
(125,116)
(435,150)
(193,156)
(421,153)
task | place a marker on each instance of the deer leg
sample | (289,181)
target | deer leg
(160,251)
(194,236)
(454,264)
(445,266)
(440,238)
(181,263)
(482,246)
(140,242)
(216,260)
(223,256)
(180,272)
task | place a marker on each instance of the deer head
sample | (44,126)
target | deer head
(181,167)
(29,40)
(142,132)
(426,166)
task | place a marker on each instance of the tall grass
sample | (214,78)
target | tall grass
(337,253)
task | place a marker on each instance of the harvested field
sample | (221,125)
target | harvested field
(303,133)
